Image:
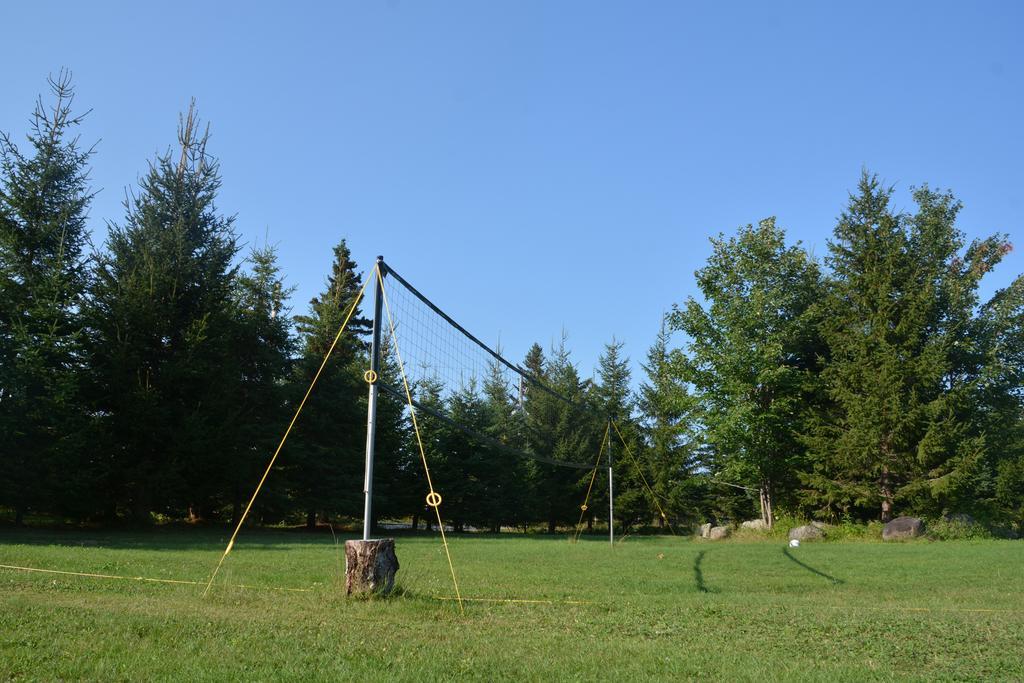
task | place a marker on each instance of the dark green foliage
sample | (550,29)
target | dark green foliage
(998,395)
(613,400)
(399,487)
(1010,488)
(568,430)
(432,446)
(44,200)
(160,380)
(480,477)
(462,469)
(324,459)
(910,372)
(665,406)
(505,494)
(161,325)
(262,352)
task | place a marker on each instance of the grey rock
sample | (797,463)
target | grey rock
(902,528)
(808,532)
(718,533)
(820,525)
(755,525)
(960,517)
(705,530)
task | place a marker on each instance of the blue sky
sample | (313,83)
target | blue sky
(539,166)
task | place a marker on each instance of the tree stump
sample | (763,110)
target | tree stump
(370,566)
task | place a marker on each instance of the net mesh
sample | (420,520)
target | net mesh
(437,350)
(434,351)
(442,359)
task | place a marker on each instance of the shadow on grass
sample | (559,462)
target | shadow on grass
(698,573)
(834,580)
(214,537)
(168,538)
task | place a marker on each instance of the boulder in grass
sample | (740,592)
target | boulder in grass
(902,528)
(717,533)
(959,518)
(705,530)
(755,525)
(808,532)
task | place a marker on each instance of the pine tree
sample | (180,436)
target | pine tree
(160,328)
(44,201)
(751,357)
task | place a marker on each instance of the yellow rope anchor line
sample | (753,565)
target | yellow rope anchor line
(519,601)
(433,498)
(583,508)
(143,578)
(502,600)
(654,497)
(273,459)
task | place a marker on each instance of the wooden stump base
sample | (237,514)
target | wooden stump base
(370,566)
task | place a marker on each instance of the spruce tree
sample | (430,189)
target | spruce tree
(261,356)
(999,398)
(326,452)
(161,327)
(613,401)
(907,360)
(560,429)
(665,408)
(434,437)
(506,473)
(462,465)
(44,201)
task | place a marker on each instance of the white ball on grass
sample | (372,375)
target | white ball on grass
(795,543)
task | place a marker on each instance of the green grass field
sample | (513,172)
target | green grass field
(651,608)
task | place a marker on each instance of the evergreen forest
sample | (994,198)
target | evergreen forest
(148,378)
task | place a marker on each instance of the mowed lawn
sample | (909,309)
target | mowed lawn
(659,608)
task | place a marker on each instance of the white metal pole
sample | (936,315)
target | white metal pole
(611,495)
(371,429)
(371,404)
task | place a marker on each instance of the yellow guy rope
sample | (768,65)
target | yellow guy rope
(593,476)
(143,578)
(654,497)
(433,498)
(302,404)
(516,601)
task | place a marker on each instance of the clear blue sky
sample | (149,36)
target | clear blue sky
(534,166)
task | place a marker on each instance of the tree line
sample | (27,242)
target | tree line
(150,377)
